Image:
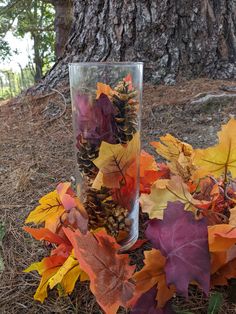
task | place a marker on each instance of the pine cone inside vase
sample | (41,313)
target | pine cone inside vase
(126,117)
(104,212)
(86,154)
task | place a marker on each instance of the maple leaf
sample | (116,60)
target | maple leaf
(68,274)
(164,191)
(232,218)
(45,234)
(227,271)
(66,195)
(147,304)
(47,268)
(50,209)
(153,274)
(128,80)
(184,242)
(114,160)
(148,171)
(109,272)
(219,159)
(95,122)
(222,239)
(103,89)
(179,154)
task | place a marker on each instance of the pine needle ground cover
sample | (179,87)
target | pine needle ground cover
(34,137)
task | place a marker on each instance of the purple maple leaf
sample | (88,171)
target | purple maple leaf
(183,240)
(95,122)
(147,304)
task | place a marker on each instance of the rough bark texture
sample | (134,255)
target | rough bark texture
(184,38)
(63,23)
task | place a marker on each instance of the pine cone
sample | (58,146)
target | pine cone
(85,156)
(126,117)
(104,212)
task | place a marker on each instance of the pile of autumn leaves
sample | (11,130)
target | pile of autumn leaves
(191,202)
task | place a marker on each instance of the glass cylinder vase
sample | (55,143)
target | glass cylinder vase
(106,101)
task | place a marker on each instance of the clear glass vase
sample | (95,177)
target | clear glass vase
(106,101)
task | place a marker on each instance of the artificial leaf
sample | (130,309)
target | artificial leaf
(109,272)
(227,271)
(179,154)
(148,171)
(232,218)
(221,237)
(219,159)
(45,234)
(215,303)
(147,304)
(66,195)
(95,121)
(50,209)
(103,89)
(128,80)
(42,290)
(47,268)
(114,160)
(46,263)
(164,191)
(153,274)
(221,240)
(183,240)
(67,275)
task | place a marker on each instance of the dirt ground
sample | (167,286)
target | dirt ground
(36,153)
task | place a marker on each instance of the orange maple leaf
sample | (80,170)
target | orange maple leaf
(109,272)
(103,89)
(113,162)
(222,239)
(153,274)
(227,271)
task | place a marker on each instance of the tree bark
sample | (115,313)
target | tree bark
(175,39)
(62,23)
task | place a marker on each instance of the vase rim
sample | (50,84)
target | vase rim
(108,63)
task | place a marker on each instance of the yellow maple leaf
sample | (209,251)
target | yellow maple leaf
(50,209)
(219,159)
(179,154)
(164,191)
(114,160)
(68,274)
(47,268)
(152,274)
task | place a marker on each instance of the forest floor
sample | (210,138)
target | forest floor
(36,153)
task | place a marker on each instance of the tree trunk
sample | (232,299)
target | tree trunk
(175,39)
(63,22)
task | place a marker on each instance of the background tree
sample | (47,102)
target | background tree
(63,21)
(174,38)
(40,18)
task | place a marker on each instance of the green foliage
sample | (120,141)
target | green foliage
(12,83)
(30,16)
(215,303)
